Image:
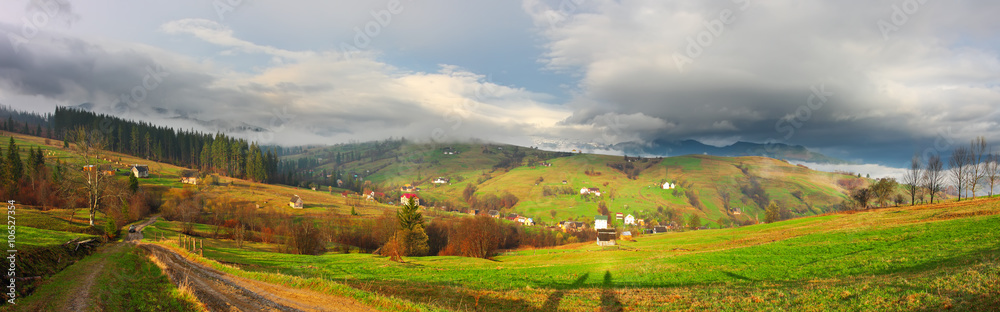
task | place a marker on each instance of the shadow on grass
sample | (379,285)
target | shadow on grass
(609,299)
(450,296)
(552,303)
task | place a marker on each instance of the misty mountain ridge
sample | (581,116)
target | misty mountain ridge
(738,149)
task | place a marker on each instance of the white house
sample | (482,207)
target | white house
(669,186)
(600,222)
(629,220)
(140,171)
(407,198)
(441,181)
(593,190)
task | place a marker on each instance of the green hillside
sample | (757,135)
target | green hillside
(701,180)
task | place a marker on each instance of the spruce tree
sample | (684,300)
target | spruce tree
(13,167)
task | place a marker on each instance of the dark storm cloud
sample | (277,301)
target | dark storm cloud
(747,69)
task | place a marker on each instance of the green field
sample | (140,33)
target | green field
(929,257)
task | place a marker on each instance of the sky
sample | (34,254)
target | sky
(873,82)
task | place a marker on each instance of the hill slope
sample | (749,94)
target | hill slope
(711,187)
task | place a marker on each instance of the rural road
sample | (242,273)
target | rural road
(222,292)
(81,300)
(136,237)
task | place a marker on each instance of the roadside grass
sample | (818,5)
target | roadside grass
(29,236)
(923,255)
(137,284)
(58,220)
(53,293)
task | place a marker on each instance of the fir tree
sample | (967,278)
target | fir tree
(13,167)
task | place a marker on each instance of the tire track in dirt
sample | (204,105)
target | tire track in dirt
(222,292)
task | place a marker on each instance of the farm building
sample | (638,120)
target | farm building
(408,198)
(494,214)
(629,220)
(626,235)
(606,237)
(295,202)
(441,181)
(140,171)
(619,216)
(669,186)
(591,190)
(659,229)
(600,222)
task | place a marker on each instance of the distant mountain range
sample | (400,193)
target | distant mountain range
(692,147)
(654,148)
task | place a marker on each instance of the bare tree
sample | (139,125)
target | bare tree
(992,171)
(960,164)
(980,151)
(913,177)
(98,187)
(934,176)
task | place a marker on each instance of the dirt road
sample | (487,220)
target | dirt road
(136,237)
(222,292)
(81,299)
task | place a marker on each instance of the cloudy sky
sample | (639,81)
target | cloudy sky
(852,79)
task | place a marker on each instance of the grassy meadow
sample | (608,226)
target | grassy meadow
(925,257)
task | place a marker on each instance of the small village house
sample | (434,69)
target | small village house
(606,237)
(600,222)
(409,198)
(659,229)
(627,235)
(669,186)
(619,216)
(441,181)
(406,188)
(296,202)
(189,177)
(494,214)
(591,190)
(629,220)
(567,226)
(140,171)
